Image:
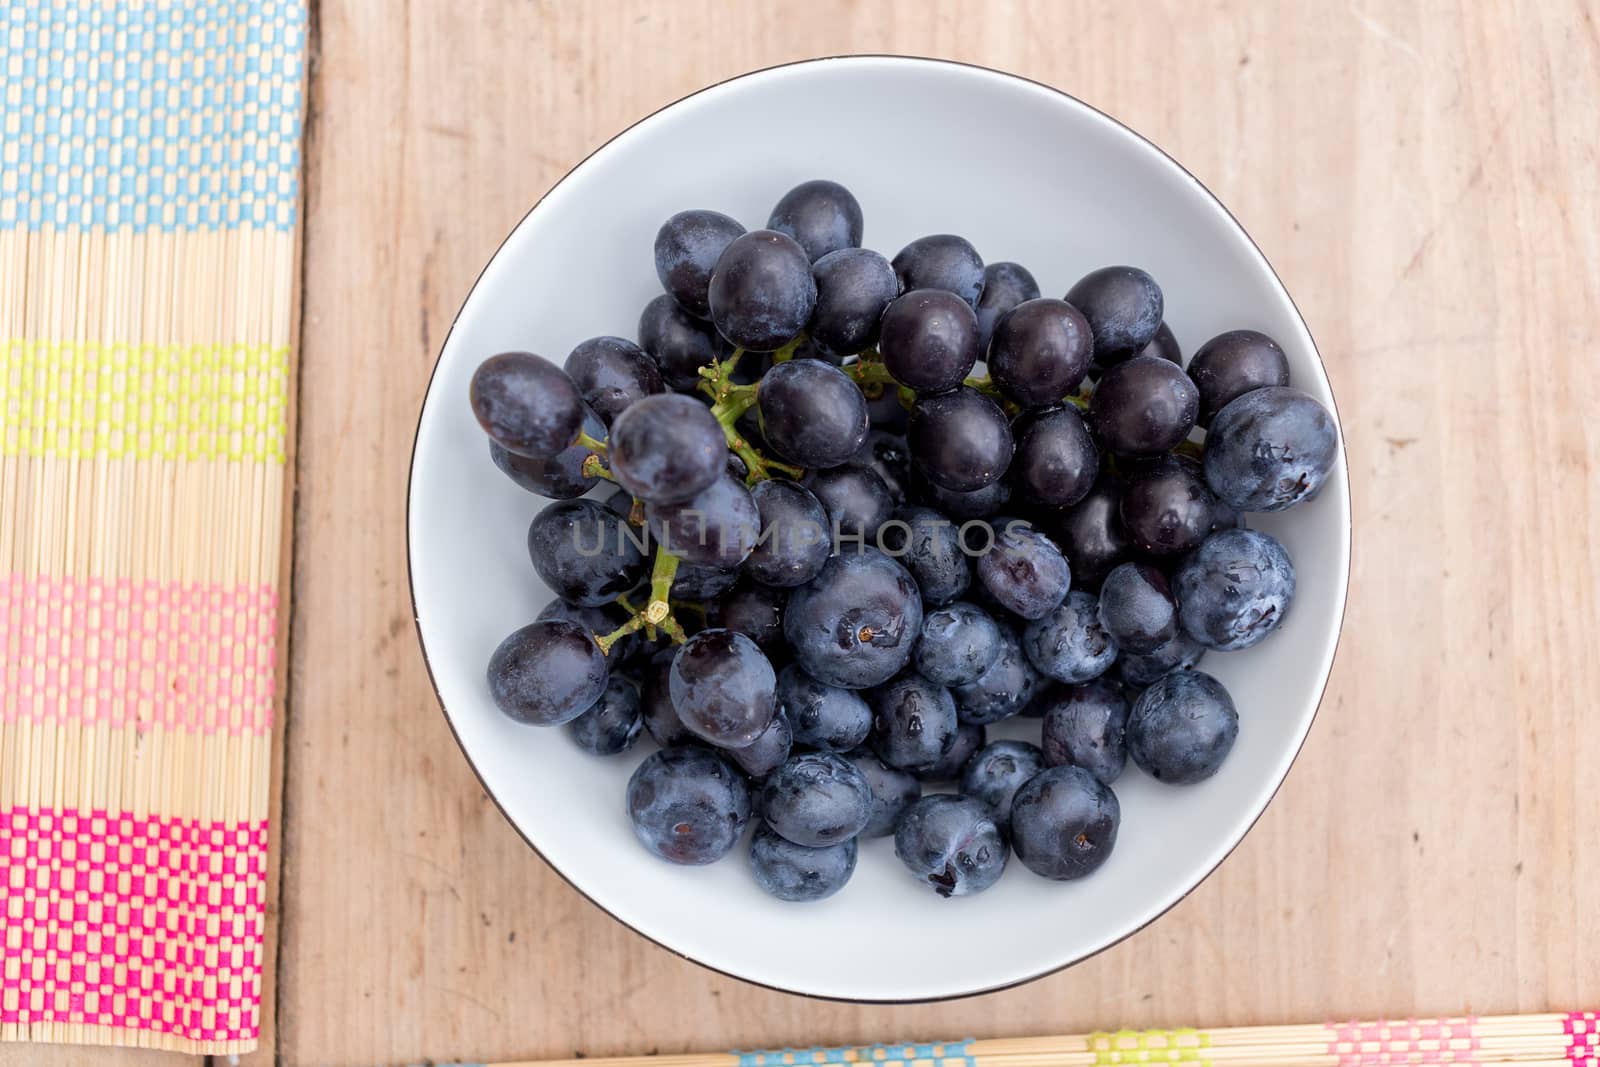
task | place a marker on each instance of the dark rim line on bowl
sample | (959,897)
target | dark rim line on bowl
(1338,628)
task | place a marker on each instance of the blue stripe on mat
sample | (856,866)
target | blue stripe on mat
(143,115)
(936,1054)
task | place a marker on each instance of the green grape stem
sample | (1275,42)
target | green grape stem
(594,467)
(599,448)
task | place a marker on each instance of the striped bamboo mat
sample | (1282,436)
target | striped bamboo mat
(149,180)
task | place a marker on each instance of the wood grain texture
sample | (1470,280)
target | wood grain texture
(1425,178)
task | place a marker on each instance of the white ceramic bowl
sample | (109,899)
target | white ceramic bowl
(1027,174)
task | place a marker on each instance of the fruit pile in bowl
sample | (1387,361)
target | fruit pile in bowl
(872,579)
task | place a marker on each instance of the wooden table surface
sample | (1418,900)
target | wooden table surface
(1425,178)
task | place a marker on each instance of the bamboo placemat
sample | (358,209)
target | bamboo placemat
(149,182)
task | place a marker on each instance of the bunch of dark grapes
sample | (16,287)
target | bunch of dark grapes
(866,508)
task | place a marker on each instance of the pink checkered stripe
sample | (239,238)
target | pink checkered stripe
(196,657)
(1583,1038)
(134,922)
(1404,1041)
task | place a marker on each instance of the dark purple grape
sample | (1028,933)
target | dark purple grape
(1090,533)
(1005,285)
(807,348)
(1056,462)
(762,293)
(665,449)
(1068,643)
(1084,726)
(1270,449)
(820,215)
(723,688)
(1064,823)
(1024,570)
(856,500)
(1141,669)
(585,552)
(1137,608)
(854,285)
(768,751)
(1233,363)
(795,535)
(717,527)
(952,844)
(929,340)
(929,545)
(688,805)
(960,440)
(823,716)
(660,717)
(1040,352)
(560,477)
(1167,508)
(885,410)
(598,621)
(797,874)
(1234,589)
(697,582)
(889,457)
(941,261)
(679,343)
(752,609)
(1182,728)
(611,374)
(547,673)
(612,723)
(688,246)
(978,504)
(997,771)
(893,791)
(970,737)
(913,721)
(811,414)
(1143,407)
(1165,345)
(525,404)
(1123,306)
(854,625)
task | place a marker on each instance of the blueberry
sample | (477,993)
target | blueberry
(856,500)
(854,285)
(794,540)
(914,722)
(660,717)
(612,723)
(762,293)
(688,805)
(1140,669)
(893,791)
(822,216)
(611,374)
(1182,727)
(855,624)
(796,873)
(970,737)
(952,843)
(1270,449)
(1137,609)
(1069,644)
(561,477)
(1232,364)
(822,716)
(929,545)
(768,751)
(1005,285)
(941,261)
(687,248)
(547,673)
(996,773)
(816,799)
(1064,823)
(752,609)
(1024,570)
(723,688)
(1085,725)
(958,643)
(1003,689)
(1234,589)
(1123,306)
(679,343)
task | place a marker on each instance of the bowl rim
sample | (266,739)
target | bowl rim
(1347,521)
